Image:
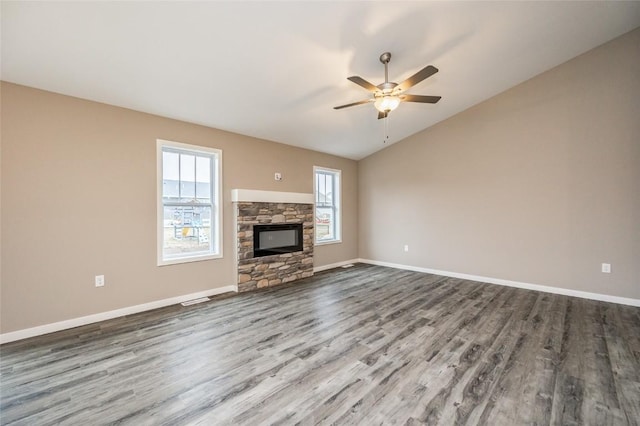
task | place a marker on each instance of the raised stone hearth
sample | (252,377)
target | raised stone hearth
(276,269)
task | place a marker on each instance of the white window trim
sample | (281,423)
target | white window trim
(217,202)
(338,216)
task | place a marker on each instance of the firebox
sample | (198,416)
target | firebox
(276,239)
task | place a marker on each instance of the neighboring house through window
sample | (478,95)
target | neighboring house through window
(327,196)
(189,211)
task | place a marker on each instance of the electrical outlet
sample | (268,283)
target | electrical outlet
(277,176)
(606,268)
(99,280)
(406,247)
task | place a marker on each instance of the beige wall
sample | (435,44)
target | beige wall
(540,184)
(79,199)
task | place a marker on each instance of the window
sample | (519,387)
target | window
(189,213)
(327,196)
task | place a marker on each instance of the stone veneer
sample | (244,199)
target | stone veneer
(277,269)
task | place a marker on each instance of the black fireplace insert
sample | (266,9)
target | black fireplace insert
(276,239)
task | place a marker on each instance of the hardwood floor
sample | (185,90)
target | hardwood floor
(364,345)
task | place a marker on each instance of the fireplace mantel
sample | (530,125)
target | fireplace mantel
(257,196)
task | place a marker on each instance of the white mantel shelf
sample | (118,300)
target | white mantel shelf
(257,196)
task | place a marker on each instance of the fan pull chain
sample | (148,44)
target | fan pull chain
(385,129)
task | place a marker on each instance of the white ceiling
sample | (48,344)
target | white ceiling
(274,70)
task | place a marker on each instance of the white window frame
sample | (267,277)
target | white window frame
(216,204)
(337,204)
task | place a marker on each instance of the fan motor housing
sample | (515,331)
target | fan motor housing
(386,87)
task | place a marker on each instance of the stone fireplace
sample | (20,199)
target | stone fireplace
(272,208)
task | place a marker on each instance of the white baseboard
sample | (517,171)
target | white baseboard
(90,319)
(334,265)
(509,283)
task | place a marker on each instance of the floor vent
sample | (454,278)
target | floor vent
(195,301)
(348,265)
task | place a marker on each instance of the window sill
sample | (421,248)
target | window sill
(167,262)
(326,243)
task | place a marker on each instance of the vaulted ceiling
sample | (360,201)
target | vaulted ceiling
(275,70)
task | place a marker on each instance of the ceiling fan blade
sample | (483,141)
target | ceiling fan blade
(425,72)
(421,98)
(364,83)
(382,114)
(354,104)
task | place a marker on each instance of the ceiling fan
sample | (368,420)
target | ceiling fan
(388,95)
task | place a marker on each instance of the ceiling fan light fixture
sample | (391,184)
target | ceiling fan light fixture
(388,95)
(387,103)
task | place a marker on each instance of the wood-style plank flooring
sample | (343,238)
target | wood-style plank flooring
(365,345)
